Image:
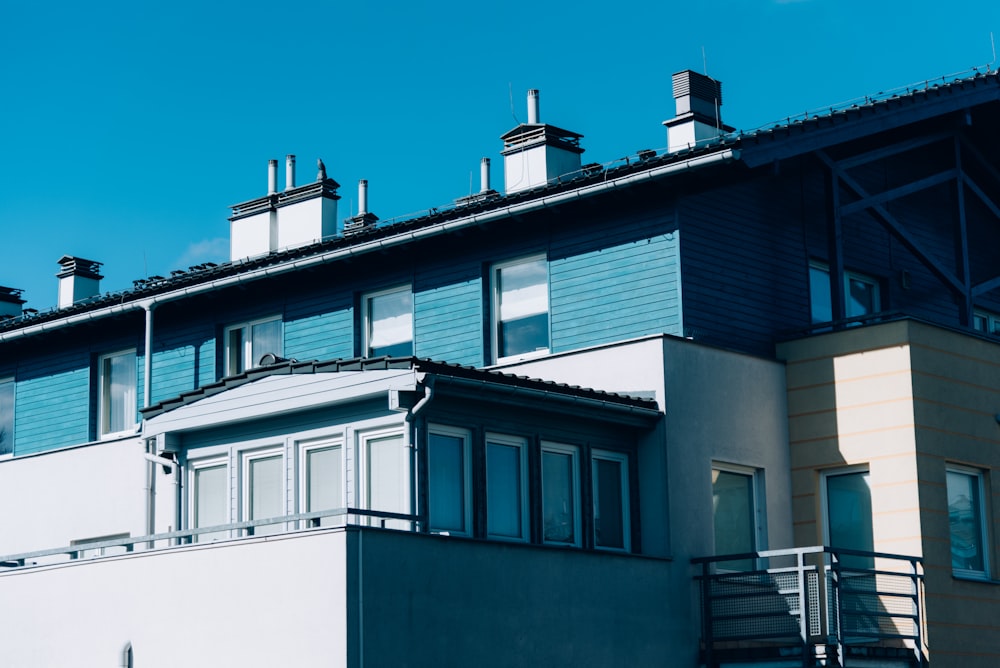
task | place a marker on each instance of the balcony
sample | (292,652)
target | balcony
(812,606)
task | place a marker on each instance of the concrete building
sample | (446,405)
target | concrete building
(732,403)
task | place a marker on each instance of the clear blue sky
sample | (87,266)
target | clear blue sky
(128,129)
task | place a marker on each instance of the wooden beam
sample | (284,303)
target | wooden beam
(891,150)
(902,191)
(962,242)
(983,197)
(986,286)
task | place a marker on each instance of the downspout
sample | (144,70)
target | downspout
(414,436)
(147,390)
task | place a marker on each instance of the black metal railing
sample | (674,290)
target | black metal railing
(817,599)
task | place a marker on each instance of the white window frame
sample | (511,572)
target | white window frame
(247,353)
(756,475)
(246,458)
(522,446)
(978,476)
(366,316)
(129,400)
(5,382)
(363,486)
(314,445)
(574,452)
(193,466)
(848,277)
(623,459)
(466,437)
(495,270)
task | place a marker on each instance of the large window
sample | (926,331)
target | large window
(116,379)
(448,474)
(388,323)
(849,515)
(387,476)
(520,308)
(322,485)
(734,513)
(966,521)
(861,294)
(247,342)
(6,416)
(506,488)
(263,489)
(611,496)
(560,494)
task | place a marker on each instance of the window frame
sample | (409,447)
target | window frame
(757,500)
(495,303)
(862,563)
(129,401)
(191,516)
(247,354)
(367,323)
(524,497)
(979,476)
(363,487)
(623,459)
(304,449)
(574,453)
(990,320)
(8,382)
(246,458)
(466,437)
(849,275)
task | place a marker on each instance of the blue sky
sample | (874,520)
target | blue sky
(128,129)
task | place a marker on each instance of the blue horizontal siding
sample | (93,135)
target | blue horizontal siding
(448,322)
(591,290)
(52,402)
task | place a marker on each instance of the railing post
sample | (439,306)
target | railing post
(800,561)
(839,598)
(919,618)
(706,614)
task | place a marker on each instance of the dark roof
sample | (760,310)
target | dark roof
(790,137)
(444,369)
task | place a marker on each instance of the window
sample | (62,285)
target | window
(209,497)
(322,480)
(734,512)
(966,521)
(984,321)
(6,416)
(247,342)
(520,308)
(388,323)
(861,294)
(263,489)
(506,488)
(849,515)
(387,476)
(611,507)
(116,380)
(448,475)
(560,494)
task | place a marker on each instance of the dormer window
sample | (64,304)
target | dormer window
(247,342)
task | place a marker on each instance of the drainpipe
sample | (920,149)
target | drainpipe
(147,390)
(415,434)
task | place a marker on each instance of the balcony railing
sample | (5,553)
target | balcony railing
(818,603)
(125,544)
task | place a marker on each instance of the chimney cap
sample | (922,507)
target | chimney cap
(701,86)
(78,266)
(11,295)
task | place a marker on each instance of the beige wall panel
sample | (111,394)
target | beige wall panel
(846,342)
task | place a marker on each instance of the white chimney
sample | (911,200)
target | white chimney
(533,115)
(484,175)
(289,171)
(362,197)
(698,100)
(10,302)
(272,177)
(78,280)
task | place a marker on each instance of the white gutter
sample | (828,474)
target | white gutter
(727,155)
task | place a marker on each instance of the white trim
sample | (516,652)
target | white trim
(758,499)
(495,320)
(466,438)
(248,456)
(247,354)
(621,458)
(303,448)
(574,454)
(522,446)
(363,438)
(366,316)
(129,400)
(191,519)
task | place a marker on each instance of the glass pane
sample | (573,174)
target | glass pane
(523,296)
(6,417)
(118,393)
(558,498)
(734,516)
(210,499)
(609,510)
(324,489)
(965,519)
(388,476)
(235,352)
(849,516)
(446,479)
(390,322)
(266,500)
(862,297)
(266,338)
(503,490)
(819,295)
